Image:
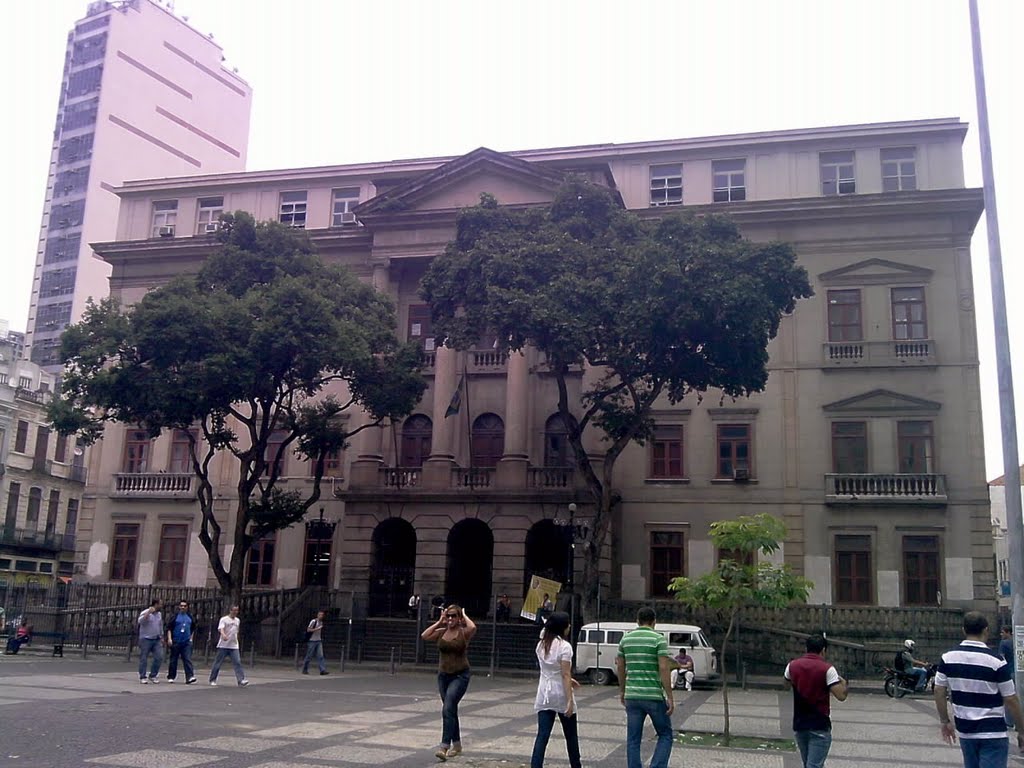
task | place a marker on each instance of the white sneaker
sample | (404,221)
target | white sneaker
(144,680)
(154,680)
(213,682)
(170,680)
(689,686)
(243,683)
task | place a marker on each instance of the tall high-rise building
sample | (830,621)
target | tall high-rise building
(143,95)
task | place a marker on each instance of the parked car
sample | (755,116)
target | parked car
(597,647)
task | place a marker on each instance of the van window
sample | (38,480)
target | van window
(595,636)
(680,638)
(614,636)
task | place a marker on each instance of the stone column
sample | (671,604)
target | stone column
(437,469)
(513,466)
(369,442)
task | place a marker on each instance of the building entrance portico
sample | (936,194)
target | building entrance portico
(469,566)
(393,568)
(547,553)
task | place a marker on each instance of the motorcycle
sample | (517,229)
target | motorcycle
(898,684)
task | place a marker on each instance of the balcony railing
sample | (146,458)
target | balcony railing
(486,360)
(153,485)
(914,488)
(473,477)
(73,472)
(400,477)
(550,477)
(21,537)
(880,354)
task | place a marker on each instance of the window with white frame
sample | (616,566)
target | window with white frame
(729,180)
(293,209)
(667,184)
(343,201)
(165,218)
(899,169)
(837,173)
(210,210)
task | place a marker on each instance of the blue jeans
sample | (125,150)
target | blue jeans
(149,646)
(922,677)
(636,711)
(545,722)
(985,753)
(236,662)
(314,648)
(183,650)
(813,746)
(451,688)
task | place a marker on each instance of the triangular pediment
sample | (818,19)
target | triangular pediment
(460,182)
(883,401)
(875,271)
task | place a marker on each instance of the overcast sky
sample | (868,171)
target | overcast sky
(339,81)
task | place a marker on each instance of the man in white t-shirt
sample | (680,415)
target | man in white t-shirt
(227,646)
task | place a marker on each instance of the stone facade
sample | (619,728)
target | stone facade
(867,440)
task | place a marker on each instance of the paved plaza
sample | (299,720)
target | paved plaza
(58,713)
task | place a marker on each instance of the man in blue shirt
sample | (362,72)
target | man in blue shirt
(181,628)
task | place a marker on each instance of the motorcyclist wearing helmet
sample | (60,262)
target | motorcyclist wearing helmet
(908,665)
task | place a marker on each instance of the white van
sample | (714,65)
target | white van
(598,645)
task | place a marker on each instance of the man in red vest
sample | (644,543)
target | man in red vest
(813,680)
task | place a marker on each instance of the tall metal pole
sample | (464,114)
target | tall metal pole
(1004,372)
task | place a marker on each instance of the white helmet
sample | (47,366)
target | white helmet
(909,644)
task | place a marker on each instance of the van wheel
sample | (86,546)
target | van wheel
(602,677)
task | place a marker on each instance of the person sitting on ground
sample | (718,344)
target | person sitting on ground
(504,610)
(22,637)
(911,667)
(684,668)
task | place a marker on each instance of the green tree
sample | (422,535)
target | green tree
(737,581)
(263,352)
(652,309)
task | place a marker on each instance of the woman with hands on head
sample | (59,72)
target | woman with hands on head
(452,633)
(555,691)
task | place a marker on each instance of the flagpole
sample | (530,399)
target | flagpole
(1004,371)
(469,427)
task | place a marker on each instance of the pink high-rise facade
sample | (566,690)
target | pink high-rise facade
(143,95)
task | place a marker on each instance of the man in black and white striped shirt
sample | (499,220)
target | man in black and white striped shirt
(981,689)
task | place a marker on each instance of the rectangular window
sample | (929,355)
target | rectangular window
(734,451)
(53,317)
(165,218)
(13,501)
(21,437)
(125,552)
(170,565)
(908,314)
(73,182)
(667,560)
(181,458)
(850,447)
(274,454)
(853,570)
(738,556)
(343,201)
(70,524)
(899,169)
(24,382)
(332,465)
(66,215)
(63,247)
(57,282)
(667,452)
(419,326)
(35,502)
(915,447)
(293,209)
(259,570)
(729,182)
(837,173)
(666,185)
(921,570)
(210,210)
(136,451)
(52,508)
(75,149)
(60,450)
(844,316)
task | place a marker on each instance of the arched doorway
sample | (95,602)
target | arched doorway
(470,561)
(547,553)
(416,438)
(488,440)
(394,567)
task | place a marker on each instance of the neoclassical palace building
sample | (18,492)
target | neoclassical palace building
(867,441)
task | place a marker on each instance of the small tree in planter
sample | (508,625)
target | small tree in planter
(734,583)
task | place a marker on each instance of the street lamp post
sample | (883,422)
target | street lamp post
(573,531)
(319,530)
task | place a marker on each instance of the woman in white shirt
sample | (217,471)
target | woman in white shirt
(555,691)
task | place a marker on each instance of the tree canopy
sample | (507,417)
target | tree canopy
(261,353)
(656,307)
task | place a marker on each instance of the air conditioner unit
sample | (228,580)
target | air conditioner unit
(211,227)
(348,218)
(166,231)
(740,475)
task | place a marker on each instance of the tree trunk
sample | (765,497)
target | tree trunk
(725,677)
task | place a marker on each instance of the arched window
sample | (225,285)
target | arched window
(488,440)
(415,447)
(557,451)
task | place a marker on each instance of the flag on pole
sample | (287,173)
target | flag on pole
(456,401)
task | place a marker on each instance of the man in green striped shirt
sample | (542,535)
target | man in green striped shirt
(644,665)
